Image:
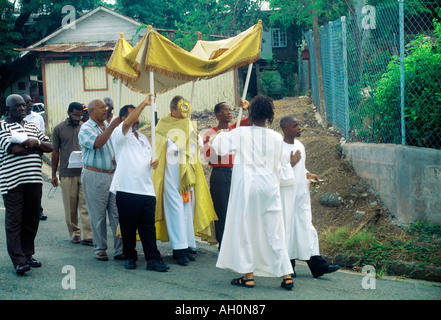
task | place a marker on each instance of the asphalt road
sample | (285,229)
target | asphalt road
(71,272)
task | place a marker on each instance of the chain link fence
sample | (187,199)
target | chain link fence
(381,72)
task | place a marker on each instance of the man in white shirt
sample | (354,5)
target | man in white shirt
(34,117)
(132,184)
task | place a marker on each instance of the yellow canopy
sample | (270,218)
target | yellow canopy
(173,66)
(117,65)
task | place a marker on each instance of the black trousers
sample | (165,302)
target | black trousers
(220,183)
(22,216)
(316,264)
(137,212)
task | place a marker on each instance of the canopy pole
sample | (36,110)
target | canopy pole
(191,96)
(152,117)
(244,94)
(118,96)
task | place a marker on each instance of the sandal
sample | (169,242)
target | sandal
(287,286)
(242,282)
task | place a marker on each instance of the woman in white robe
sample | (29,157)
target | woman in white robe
(301,236)
(253,241)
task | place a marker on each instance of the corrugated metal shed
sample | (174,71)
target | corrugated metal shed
(66,84)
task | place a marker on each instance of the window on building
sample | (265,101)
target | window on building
(95,78)
(279,38)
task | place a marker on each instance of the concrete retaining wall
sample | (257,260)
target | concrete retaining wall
(408,179)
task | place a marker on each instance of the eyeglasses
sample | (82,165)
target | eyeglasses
(73,115)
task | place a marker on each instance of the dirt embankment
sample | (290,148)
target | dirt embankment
(361,207)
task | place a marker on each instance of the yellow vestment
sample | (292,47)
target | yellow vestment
(191,174)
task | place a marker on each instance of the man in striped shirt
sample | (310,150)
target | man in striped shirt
(21,145)
(96,177)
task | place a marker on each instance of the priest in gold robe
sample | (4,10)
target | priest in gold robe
(184,207)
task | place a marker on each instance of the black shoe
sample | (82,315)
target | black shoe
(286,285)
(22,268)
(42,216)
(183,261)
(332,268)
(87,242)
(119,257)
(130,264)
(31,262)
(157,265)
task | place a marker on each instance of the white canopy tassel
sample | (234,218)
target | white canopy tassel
(244,94)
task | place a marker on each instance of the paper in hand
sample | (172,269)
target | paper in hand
(18,137)
(75,160)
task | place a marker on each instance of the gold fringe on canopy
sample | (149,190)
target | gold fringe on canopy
(191,175)
(174,66)
(117,65)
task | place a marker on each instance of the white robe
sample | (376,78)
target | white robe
(301,236)
(179,215)
(253,239)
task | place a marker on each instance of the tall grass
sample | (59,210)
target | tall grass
(345,240)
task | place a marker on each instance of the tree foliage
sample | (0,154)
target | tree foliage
(209,17)
(9,38)
(302,11)
(163,14)
(16,33)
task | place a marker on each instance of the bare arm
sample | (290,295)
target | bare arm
(133,116)
(101,140)
(54,163)
(30,146)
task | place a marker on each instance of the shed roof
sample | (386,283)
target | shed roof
(74,47)
(41,45)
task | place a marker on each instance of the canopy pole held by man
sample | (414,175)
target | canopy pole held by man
(153,114)
(118,97)
(245,89)
(191,95)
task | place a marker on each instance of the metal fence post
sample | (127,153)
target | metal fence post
(345,74)
(402,79)
(332,71)
(299,70)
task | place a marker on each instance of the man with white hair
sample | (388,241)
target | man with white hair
(110,107)
(21,145)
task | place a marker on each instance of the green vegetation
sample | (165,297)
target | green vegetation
(376,114)
(422,95)
(271,84)
(419,242)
